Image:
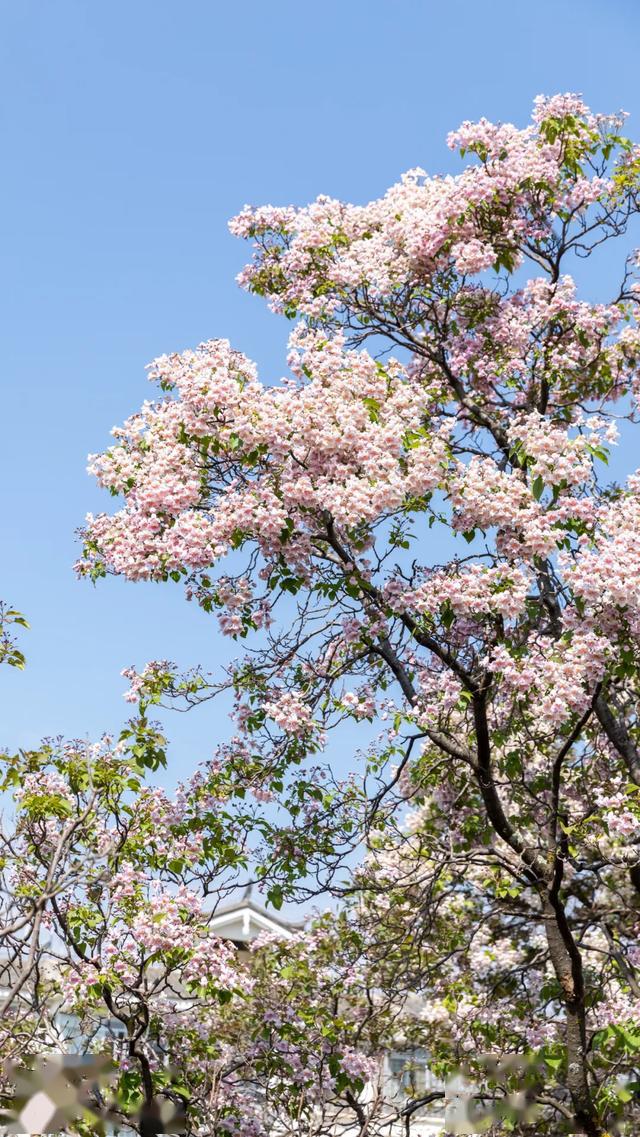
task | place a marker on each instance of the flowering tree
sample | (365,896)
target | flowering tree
(428,539)
(108,888)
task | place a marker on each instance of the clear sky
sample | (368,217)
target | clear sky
(131,132)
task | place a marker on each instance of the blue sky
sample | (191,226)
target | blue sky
(131,133)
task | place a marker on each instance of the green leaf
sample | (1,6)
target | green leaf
(537,487)
(447,615)
(275,896)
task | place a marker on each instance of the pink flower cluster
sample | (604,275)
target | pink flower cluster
(234,458)
(311,259)
(474,591)
(559,678)
(605,572)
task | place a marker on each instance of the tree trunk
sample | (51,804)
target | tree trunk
(567,963)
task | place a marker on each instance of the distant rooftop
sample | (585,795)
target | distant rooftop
(243,920)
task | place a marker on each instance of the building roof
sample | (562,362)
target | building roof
(243,920)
